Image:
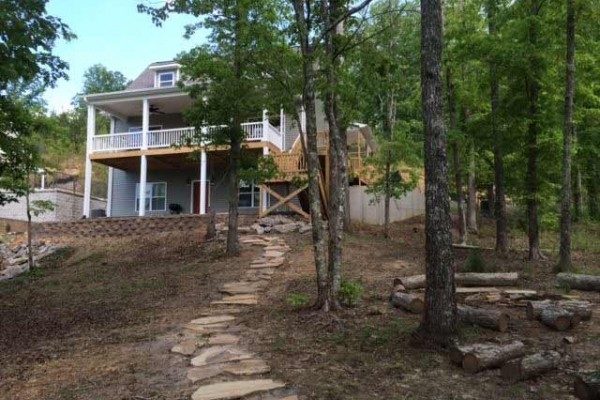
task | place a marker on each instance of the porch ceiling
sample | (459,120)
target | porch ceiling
(123,108)
(171,162)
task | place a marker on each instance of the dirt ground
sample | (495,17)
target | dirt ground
(98,320)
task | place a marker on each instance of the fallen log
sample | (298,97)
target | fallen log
(530,366)
(408,302)
(491,319)
(411,282)
(492,356)
(399,288)
(581,308)
(559,318)
(465,279)
(457,353)
(587,386)
(487,279)
(579,281)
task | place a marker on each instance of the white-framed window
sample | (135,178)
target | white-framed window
(249,195)
(156,196)
(165,79)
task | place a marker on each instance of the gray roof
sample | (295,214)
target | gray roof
(146,79)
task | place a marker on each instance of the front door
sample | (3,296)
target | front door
(196,196)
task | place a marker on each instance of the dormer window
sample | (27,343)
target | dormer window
(165,79)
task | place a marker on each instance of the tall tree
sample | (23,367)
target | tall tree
(440,316)
(564,262)
(500,197)
(226,88)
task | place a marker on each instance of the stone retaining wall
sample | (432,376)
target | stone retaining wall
(123,226)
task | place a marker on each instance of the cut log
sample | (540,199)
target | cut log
(559,318)
(457,353)
(581,308)
(491,319)
(465,279)
(579,281)
(587,386)
(492,356)
(530,366)
(399,288)
(487,279)
(411,282)
(408,302)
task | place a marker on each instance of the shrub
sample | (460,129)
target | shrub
(297,300)
(350,293)
(475,262)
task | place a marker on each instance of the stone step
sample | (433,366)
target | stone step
(234,390)
(213,320)
(240,299)
(220,354)
(244,367)
(223,339)
(187,347)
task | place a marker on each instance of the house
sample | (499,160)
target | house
(149,176)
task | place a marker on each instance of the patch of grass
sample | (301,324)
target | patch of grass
(297,300)
(143,285)
(350,293)
(58,257)
(387,335)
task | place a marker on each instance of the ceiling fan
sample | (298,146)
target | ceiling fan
(154,109)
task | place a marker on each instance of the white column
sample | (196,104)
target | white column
(264,194)
(265,118)
(282,127)
(87,189)
(145,123)
(110,176)
(143,172)
(203,182)
(43,183)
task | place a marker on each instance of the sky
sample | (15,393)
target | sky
(112,33)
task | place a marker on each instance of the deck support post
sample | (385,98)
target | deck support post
(110,175)
(264,196)
(142,185)
(91,132)
(203,182)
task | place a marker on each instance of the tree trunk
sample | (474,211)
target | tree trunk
(233,245)
(533,89)
(564,263)
(491,319)
(500,198)
(578,194)
(337,154)
(472,201)
(457,353)
(407,302)
(530,366)
(581,308)
(492,357)
(458,180)
(579,281)
(388,130)
(314,175)
(29,231)
(587,386)
(440,317)
(460,196)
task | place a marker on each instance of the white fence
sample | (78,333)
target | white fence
(364,209)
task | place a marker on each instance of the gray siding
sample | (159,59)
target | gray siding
(292,130)
(179,190)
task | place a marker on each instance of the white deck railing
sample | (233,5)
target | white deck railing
(255,131)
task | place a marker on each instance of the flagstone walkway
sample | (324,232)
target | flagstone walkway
(222,367)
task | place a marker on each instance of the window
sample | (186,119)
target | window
(165,79)
(156,196)
(249,195)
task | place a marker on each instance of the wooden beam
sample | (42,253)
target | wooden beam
(284,201)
